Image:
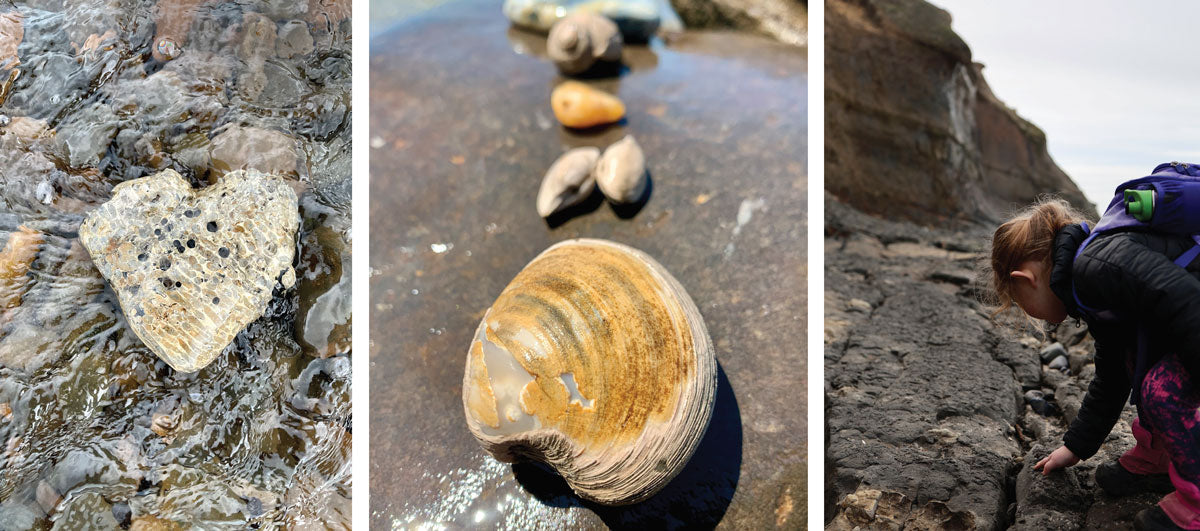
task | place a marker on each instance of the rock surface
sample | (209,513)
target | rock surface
(193,267)
(785,20)
(452,223)
(912,129)
(932,407)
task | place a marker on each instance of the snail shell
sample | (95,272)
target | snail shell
(568,181)
(578,105)
(595,361)
(621,171)
(579,40)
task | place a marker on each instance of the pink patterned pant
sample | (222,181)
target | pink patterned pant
(1168,438)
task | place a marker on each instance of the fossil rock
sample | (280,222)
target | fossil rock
(193,267)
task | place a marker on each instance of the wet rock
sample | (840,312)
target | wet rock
(163,424)
(1053,351)
(285,86)
(27,128)
(194,267)
(322,114)
(941,145)
(122,514)
(47,497)
(264,150)
(294,39)
(323,324)
(11,33)
(148,522)
(258,41)
(192,152)
(18,254)
(88,510)
(87,133)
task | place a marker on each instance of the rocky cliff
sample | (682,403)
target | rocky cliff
(912,129)
(935,413)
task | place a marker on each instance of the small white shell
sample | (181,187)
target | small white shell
(568,181)
(579,40)
(621,171)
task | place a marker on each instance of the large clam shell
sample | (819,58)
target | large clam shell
(595,361)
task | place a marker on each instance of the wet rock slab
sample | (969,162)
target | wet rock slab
(461,134)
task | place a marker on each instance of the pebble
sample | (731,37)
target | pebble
(1060,363)
(1053,351)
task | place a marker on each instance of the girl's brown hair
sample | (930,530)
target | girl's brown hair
(1027,236)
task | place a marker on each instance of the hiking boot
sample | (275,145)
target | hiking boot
(1153,519)
(1116,481)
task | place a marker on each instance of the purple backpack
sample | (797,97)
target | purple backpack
(1168,201)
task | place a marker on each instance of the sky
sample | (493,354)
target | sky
(1115,85)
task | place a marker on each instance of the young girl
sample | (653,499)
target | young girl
(1130,273)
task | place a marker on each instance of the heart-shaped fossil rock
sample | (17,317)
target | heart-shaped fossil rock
(193,267)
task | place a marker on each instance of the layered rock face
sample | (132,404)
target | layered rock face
(912,129)
(935,413)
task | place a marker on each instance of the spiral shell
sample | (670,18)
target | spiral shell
(595,361)
(576,42)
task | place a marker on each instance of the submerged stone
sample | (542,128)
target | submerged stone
(193,267)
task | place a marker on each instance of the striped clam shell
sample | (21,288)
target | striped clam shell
(595,361)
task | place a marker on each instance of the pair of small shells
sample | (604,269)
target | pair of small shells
(620,172)
(580,40)
(579,105)
(594,360)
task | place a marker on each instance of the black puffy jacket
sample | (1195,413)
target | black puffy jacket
(1132,274)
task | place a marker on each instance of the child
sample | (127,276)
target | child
(1131,273)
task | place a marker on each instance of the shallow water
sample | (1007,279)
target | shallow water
(97,430)
(461,135)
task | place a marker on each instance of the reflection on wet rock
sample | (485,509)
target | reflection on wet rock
(294,39)
(11,34)
(18,254)
(323,318)
(251,147)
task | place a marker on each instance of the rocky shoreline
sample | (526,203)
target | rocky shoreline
(930,419)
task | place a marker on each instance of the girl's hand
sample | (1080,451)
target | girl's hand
(1061,458)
